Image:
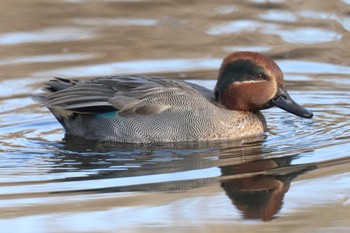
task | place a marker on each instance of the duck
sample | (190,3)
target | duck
(152,109)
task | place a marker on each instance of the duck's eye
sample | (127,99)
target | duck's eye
(260,77)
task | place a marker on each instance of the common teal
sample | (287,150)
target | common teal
(146,109)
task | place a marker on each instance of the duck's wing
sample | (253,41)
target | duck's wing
(125,94)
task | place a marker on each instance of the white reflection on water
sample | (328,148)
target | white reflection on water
(46,36)
(86,1)
(231,49)
(322,184)
(117,21)
(226,9)
(32,140)
(299,66)
(267,1)
(306,35)
(303,35)
(9,88)
(136,66)
(112,182)
(178,65)
(240,26)
(279,15)
(187,211)
(48,58)
(344,21)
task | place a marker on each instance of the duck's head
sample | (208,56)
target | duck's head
(250,81)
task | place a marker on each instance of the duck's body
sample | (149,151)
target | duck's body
(144,109)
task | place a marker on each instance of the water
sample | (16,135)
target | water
(295,178)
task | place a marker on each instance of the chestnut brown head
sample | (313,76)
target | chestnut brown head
(249,81)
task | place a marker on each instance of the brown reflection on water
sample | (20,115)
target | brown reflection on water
(255,185)
(260,190)
(54,184)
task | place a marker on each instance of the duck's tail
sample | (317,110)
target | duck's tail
(52,86)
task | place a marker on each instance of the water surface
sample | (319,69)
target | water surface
(294,178)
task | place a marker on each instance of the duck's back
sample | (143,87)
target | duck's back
(141,109)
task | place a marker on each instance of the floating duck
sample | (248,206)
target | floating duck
(149,109)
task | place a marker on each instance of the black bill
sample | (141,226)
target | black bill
(285,102)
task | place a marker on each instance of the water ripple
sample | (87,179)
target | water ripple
(46,36)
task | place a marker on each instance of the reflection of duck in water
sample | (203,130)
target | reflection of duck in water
(255,185)
(258,187)
(144,109)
